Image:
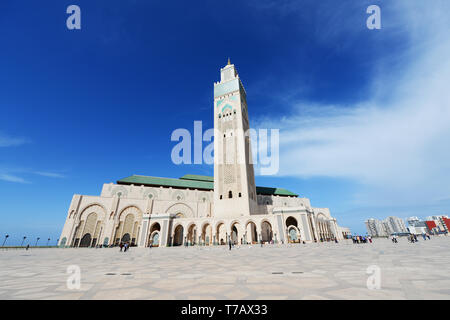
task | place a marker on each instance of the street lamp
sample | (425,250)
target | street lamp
(23,241)
(6,237)
(36,241)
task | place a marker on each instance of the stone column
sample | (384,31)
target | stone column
(144,230)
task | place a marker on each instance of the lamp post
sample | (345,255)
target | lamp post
(6,237)
(23,241)
(36,241)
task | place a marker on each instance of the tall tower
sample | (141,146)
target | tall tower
(234,178)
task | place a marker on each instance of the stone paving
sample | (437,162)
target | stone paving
(310,271)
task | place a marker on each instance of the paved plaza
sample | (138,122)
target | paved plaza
(310,271)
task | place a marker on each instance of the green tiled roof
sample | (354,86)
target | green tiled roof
(197,177)
(192,181)
(167,182)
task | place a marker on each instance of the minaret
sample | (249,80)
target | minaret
(234,178)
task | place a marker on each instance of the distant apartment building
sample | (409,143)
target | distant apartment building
(416,226)
(438,224)
(376,228)
(395,225)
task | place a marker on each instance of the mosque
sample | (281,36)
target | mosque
(201,210)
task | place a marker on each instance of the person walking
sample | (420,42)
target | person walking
(229,244)
(121,246)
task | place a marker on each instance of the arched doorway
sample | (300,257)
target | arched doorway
(266,231)
(192,234)
(154,231)
(207,234)
(236,233)
(63,242)
(292,235)
(154,239)
(221,234)
(86,240)
(291,221)
(129,222)
(292,229)
(126,238)
(251,235)
(178,236)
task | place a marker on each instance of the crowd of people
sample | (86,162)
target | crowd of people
(362,239)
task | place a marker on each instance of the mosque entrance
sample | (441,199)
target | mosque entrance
(293,235)
(126,238)
(155,240)
(266,231)
(86,240)
(234,235)
(178,236)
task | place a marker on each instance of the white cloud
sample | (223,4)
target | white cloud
(12,178)
(397,142)
(7,141)
(49,174)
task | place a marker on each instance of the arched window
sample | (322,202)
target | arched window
(220,197)
(240,194)
(230,194)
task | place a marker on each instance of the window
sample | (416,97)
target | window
(220,197)
(240,195)
(230,194)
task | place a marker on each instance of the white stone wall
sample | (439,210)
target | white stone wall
(188,207)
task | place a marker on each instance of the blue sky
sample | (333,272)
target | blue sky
(363,114)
